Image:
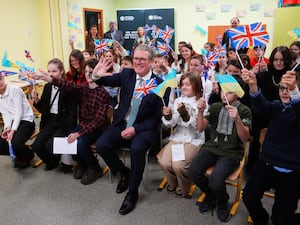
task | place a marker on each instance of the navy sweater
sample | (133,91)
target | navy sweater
(282,145)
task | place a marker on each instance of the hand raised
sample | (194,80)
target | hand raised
(102,67)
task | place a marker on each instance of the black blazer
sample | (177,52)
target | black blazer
(149,112)
(67,108)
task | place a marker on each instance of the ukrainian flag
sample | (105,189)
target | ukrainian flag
(7,63)
(170,81)
(229,84)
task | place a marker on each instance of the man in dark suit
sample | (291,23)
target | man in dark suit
(114,34)
(141,134)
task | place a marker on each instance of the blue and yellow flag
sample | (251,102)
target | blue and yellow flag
(7,63)
(229,84)
(170,81)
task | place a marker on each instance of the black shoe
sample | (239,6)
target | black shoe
(79,171)
(124,181)
(129,203)
(207,206)
(65,168)
(223,212)
(50,166)
(91,175)
(24,161)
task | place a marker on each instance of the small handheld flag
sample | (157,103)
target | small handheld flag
(229,84)
(12,154)
(7,63)
(170,81)
(166,34)
(162,48)
(28,55)
(103,45)
(248,35)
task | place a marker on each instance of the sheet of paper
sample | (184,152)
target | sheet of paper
(61,146)
(178,152)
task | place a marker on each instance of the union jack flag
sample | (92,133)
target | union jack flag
(152,43)
(25,76)
(28,56)
(166,34)
(156,30)
(219,39)
(147,29)
(145,88)
(7,73)
(221,50)
(162,48)
(248,35)
(101,46)
(212,58)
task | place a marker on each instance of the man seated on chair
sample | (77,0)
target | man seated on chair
(230,123)
(19,124)
(278,166)
(139,131)
(92,120)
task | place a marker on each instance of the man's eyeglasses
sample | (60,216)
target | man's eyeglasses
(142,60)
(282,89)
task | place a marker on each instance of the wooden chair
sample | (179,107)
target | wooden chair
(235,180)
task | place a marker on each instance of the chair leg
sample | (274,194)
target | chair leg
(191,191)
(249,220)
(162,184)
(201,198)
(37,163)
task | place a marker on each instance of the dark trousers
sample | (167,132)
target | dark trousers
(43,144)
(111,140)
(287,193)
(85,154)
(25,130)
(214,184)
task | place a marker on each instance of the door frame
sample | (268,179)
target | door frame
(100,25)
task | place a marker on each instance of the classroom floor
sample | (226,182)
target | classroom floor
(33,196)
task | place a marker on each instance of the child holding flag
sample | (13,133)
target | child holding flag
(279,161)
(19,124)
(230,123)
(185,138)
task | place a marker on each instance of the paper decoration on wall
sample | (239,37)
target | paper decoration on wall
(77,20)
(269,13)
(73,37)
(241,13)
(72,25)
(226,8)
(79,45)
(297,31)
(211,16)
(200,8)
(201,31)
(294,34)
(255,6)
(70,17)
(75,8)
